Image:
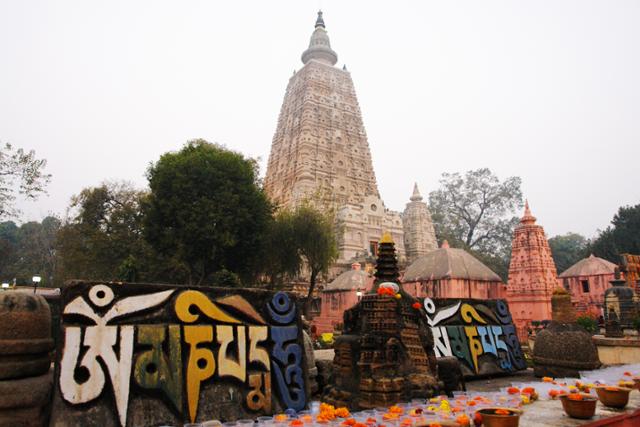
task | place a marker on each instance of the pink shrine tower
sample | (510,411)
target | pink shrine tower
(532,275)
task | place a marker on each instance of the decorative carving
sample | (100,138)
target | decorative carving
(172,348)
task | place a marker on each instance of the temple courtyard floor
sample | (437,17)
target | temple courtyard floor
(541,413)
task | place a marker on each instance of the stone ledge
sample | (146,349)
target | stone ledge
(601,340)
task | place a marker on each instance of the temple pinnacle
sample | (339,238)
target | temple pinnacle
(319,45)
(527,218)
(416,197)
(320,21)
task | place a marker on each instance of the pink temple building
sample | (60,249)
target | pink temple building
(532,275)
(452,273)
(341,294)
(586,281)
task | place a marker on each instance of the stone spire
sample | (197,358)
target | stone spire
(415,197)
(532,274)
(320,148)
(527,218)
(419,234)
(319,45)
(320,154)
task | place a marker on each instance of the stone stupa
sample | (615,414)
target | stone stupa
(385,355)
(563,348)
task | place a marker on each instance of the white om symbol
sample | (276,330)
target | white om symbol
(101,340)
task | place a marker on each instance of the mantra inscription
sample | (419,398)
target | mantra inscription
(174,341)
(479,333)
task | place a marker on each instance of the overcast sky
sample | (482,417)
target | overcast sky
(545,90)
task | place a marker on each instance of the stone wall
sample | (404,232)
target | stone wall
(480,333)
(135,354)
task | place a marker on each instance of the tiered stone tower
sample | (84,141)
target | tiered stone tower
(532,274)
(320,154)
(320,149)
(419,234)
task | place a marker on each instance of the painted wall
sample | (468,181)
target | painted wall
(151,354)
(480,333)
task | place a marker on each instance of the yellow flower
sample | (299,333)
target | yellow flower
(398,296)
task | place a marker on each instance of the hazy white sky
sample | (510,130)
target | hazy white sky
(545,90)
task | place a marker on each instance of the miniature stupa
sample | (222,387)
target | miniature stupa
(386,354)
(563,348)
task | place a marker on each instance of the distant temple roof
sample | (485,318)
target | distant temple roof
(448,263)
(350,280)
(589,267)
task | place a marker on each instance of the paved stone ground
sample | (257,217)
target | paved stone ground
(548,413)
(542,413)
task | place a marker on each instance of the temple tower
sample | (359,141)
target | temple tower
(320,149)
(532,274)
(320,153)
(419,234)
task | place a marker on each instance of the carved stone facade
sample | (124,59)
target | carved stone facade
(320,154)
(362,225)
(419,234)
(532,274)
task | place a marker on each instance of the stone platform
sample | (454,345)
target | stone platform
(616,351)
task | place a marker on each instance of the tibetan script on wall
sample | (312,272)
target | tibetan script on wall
(145,354)
(479,333)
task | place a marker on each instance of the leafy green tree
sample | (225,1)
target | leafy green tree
(622,236)
(475,211)
(102,238)
(316,242)
(29,250)
(282,259)
(20,172)
(8,249)
(206,207)
(567,249)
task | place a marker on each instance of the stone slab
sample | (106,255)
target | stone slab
(480,333)
(137,354)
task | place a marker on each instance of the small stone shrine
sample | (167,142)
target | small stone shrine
(563,348)
(386,354)
(619,303)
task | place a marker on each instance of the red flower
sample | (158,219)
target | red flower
(416,305)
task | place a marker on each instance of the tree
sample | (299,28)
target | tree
(29,250)
(22,170)
(8,249)
(567,249)
(622,236)
(102,239)
(316,242)
(206,207)
(281,258)
(475,212)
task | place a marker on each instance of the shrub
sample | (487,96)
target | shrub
(588,323)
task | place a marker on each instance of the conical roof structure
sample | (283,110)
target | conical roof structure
(448,263)
(590,266)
